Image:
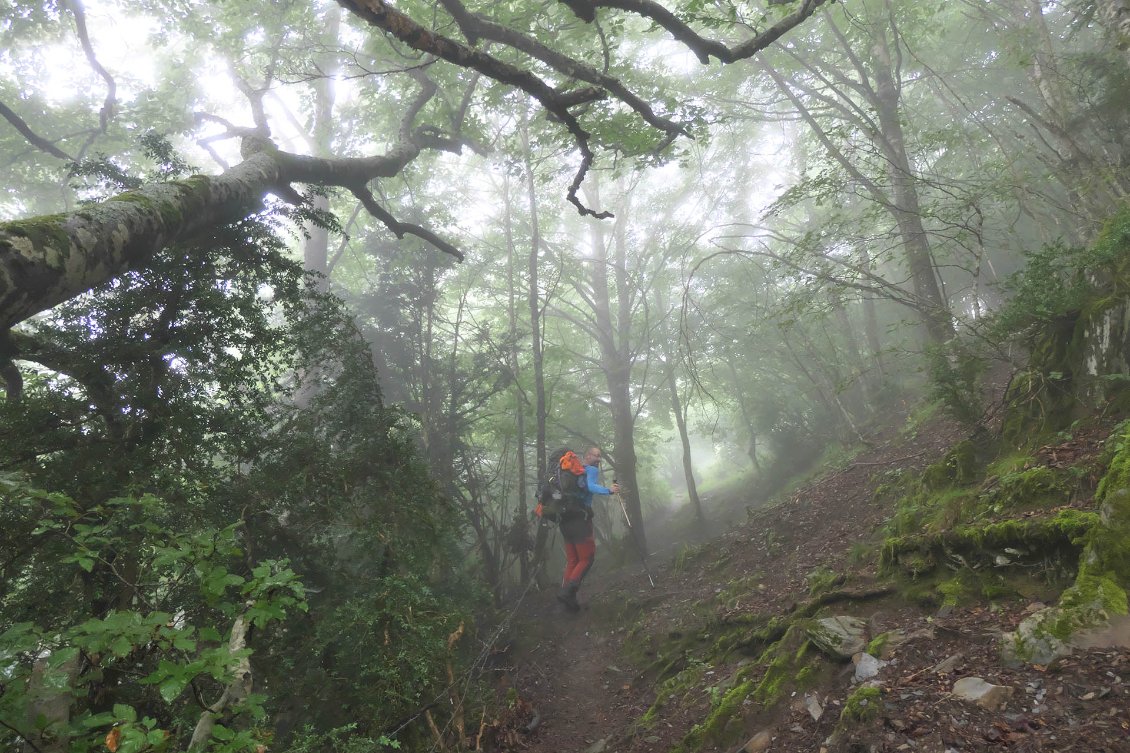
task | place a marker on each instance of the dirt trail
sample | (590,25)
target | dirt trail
(573,677)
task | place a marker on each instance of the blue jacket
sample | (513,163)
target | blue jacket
(594,487)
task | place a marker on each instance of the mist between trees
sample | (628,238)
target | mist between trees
(298,296)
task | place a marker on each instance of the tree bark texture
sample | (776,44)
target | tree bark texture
(521,515)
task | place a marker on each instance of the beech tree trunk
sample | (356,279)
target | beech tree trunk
(747,414)
(904,190)
(316,250)
(47,260)
(669,361)
(613,339)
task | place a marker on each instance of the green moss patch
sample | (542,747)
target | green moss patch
(43,232)
(959,466)
(1031,488)
(1060,535)
(788,664)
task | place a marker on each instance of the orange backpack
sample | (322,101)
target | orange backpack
(561,493)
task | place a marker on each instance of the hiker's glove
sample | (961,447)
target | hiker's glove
(589,513)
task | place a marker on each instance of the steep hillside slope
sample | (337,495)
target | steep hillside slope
(934,547)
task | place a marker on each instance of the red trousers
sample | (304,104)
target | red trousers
(580,551)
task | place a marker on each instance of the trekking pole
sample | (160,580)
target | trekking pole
(632,532)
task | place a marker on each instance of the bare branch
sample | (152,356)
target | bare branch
(35,139)
(475,27)
(699,45)
(237,690)
(110,102)
(255,99)
(380,14)
(400,229)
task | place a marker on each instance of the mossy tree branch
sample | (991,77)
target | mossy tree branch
(47,260)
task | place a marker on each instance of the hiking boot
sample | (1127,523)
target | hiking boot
(568,596)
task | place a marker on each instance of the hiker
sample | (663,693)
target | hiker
(577,532)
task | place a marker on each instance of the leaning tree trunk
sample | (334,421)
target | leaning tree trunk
(234,693)
(904,191)
(901,198)
(47,260)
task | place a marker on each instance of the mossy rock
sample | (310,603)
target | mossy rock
(1099,591)
(1117,475)
(878,644)
(862,706)
(1108,546)
(840,637)
(787,663)
(1045,636)
(959,466)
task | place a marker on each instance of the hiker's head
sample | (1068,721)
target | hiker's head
(592,456)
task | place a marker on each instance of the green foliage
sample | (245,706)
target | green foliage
(954,369)
(166,634)
(345,739)
(1057,281)
(1051,284)
(215,442)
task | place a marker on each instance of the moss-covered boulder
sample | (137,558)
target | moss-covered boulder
(1061,536)
(1099,591)
(1047,635)
(840,637)
(861,706)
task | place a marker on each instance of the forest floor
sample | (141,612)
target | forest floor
(590,677)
